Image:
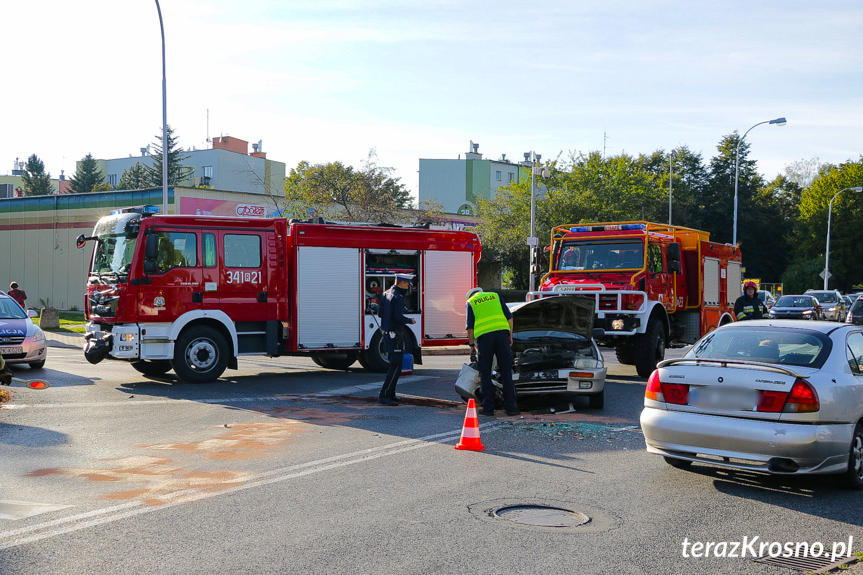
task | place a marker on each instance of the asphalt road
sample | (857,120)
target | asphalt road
(284,467)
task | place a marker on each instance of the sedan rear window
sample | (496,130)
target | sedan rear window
(795,301)
(784,346)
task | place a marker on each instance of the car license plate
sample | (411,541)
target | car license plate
(542,376)
(728,398)
(11,350)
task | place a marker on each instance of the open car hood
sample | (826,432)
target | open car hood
(569,313)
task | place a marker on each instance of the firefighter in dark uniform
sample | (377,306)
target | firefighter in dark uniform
(748,306)
(489,327)
(393,322)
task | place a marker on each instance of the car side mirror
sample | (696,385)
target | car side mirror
(597,333)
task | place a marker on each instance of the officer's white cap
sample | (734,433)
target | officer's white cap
(472,291)
(404,277)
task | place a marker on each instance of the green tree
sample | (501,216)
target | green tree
(689,178)
(87,176)
(36,181)
(138,177)
(846,235)
(342,192)
(589,188)
(176,171)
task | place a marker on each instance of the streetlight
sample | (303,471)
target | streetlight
(670,180)
(532,158)
(778,122)
(858,189)
(164,120)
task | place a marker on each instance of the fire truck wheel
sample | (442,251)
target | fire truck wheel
(625,353)
(649,348)
(200,355)
(339,361)
(374,358)
(152,368)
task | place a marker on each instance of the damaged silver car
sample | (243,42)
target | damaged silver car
(554,352)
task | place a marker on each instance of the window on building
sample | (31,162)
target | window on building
(112,180)
(511,177)
(497,175)
(207,171)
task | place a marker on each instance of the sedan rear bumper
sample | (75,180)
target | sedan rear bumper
(747,443)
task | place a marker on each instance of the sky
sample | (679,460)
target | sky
(332,80)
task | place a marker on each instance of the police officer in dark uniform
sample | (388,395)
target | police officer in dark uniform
(5,374)
(393,322)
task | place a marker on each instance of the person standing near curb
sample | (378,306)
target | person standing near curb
(489,328)
(18,295)
(393,322)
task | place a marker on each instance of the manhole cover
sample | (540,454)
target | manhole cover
(541,515)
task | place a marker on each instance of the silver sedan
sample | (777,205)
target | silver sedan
(779,397)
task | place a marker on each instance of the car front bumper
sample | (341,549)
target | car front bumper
(571,381)
(750,444)
(28,351)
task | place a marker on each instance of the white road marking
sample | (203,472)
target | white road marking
(53,528)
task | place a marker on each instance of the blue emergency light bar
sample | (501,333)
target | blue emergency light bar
(144,210)
(608,228)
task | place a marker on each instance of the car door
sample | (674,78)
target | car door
(243,286)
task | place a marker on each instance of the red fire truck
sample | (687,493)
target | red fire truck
(654,285)
(192,293)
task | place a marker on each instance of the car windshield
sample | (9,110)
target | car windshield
(794,301)
(600,255)
(798,347)
(826,297)
(9,309)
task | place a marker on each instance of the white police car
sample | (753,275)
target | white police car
(21,340)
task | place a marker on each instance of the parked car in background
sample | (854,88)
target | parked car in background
(21,340)
(796,307)
(832,303)
(785,399)
(855,313)
(554,352)
(766,298)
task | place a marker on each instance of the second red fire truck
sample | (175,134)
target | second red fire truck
(192,293)
(653,284)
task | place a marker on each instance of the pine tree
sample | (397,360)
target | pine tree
(176,171)
(36,181)
(137,177)
(87,176)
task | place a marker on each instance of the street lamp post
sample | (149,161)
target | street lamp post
(829,218)
(778,122)
(533,242)
(164,119)
(670,180)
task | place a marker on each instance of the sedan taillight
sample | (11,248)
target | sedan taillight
(677,393)
(801,399)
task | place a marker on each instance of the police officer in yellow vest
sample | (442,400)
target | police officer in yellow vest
(489,328)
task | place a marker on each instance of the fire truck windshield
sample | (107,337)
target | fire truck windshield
(115,245)
(579,255)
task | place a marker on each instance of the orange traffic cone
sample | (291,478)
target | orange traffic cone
(470,431)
